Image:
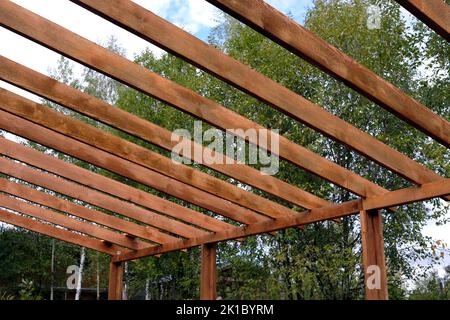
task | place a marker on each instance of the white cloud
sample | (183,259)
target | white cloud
(191,15)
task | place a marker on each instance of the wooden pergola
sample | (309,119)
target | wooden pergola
(149,225)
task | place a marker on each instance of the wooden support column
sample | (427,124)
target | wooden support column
(115,280)
(374,263)
(208,273)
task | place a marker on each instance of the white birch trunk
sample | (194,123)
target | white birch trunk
(80,273)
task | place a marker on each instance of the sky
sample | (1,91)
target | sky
(195,16)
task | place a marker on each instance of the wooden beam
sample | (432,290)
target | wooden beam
(314,215)
(427,191)
(74,148)
(108,142)
(53,36)
(434,13)
(374,264)
(295,38)
(97,109)
(208,272)
(107,185)
(435,189)
(82,212)
(57,233)
(115,285)
(156,30)
(70,223)
(96,198)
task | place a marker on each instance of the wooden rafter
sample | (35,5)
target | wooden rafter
(110,186)
(58,233)
(97,199)
(108,142)
(440,188)
(74,148)
(434,13)
(123,239)
(295,38)
(65,221)
(90,106)
(53,36)
(80,211)
(164,34)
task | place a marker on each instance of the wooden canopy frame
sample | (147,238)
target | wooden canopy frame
(147,225)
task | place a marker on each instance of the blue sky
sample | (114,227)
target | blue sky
(195,16)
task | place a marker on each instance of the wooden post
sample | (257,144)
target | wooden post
(208,276)
(374,263)
(115,280)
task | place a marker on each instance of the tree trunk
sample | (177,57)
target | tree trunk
(52,267)
(80,273)
(147,293)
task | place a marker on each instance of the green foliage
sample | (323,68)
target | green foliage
(323,260)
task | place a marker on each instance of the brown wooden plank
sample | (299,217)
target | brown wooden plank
(74,148)
(70,223)
(97,199)
(152,28)
(434,13)
(295,38)
(208,272)
(110,186)
(314,215)
(427,191)
(115,284)
(82,212)
(108,142)
(58,233)
(40,30)
(433,189)
(374,263)
(90,106)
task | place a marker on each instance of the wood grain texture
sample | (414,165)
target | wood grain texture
(399,197)
(53,36)
(58,233)
(97,199)
(162,33)
(90,106)
(372,244)
(434,13)
(74,148)
(112,144)
(208,272)
(314,215)
(295,38)
(82,212)
(107,185)
(115,284)
(68,222)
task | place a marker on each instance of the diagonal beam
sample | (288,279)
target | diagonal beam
(71,223)
(53,36)
(110,186)
(97,199)
(47,200)
(295,38)
(393,198)
(90,106)
(74,148)
(434,13)
(162,33)
(108,142)
(58,233)
(426,191)
(330,212)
